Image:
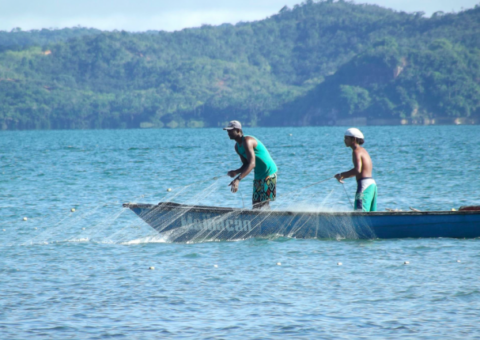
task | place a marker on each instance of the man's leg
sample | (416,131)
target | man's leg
(369,198)
(264,191)
(374,201)
(358,203)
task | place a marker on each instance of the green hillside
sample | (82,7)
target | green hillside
(318,63)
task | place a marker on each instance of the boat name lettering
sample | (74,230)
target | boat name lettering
(212,223)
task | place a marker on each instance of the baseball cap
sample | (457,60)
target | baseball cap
(354,132)
(234,124)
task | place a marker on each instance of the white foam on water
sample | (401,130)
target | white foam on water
(79,240)
(149,239)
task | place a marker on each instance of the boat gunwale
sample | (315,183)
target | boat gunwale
(210,209)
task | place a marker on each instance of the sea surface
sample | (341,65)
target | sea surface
(74,264)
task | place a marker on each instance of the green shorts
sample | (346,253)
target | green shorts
(366,195)
(265,189)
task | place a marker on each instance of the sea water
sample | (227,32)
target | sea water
(75,264)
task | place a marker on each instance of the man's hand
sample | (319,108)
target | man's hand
(234,185)
(339,177)
(232,173)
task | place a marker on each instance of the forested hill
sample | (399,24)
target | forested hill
(317,63)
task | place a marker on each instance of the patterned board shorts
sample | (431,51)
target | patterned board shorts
(265,189)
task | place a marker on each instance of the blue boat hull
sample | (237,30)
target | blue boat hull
(183,223)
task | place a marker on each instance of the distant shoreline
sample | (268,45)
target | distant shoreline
(363,121)
(341,122)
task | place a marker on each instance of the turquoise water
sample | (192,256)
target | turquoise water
(85,274)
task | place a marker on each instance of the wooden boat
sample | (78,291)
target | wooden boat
(186,223)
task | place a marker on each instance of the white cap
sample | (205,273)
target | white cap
(354,132)
(234,124)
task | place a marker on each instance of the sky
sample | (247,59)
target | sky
(171,15)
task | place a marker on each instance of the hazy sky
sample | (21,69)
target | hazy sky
(169,15)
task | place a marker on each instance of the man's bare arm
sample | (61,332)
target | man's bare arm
(233,173)
(248,166)
(357,167)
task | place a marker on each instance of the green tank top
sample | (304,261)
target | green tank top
(264,164)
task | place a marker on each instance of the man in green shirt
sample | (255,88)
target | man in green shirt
(254,155)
